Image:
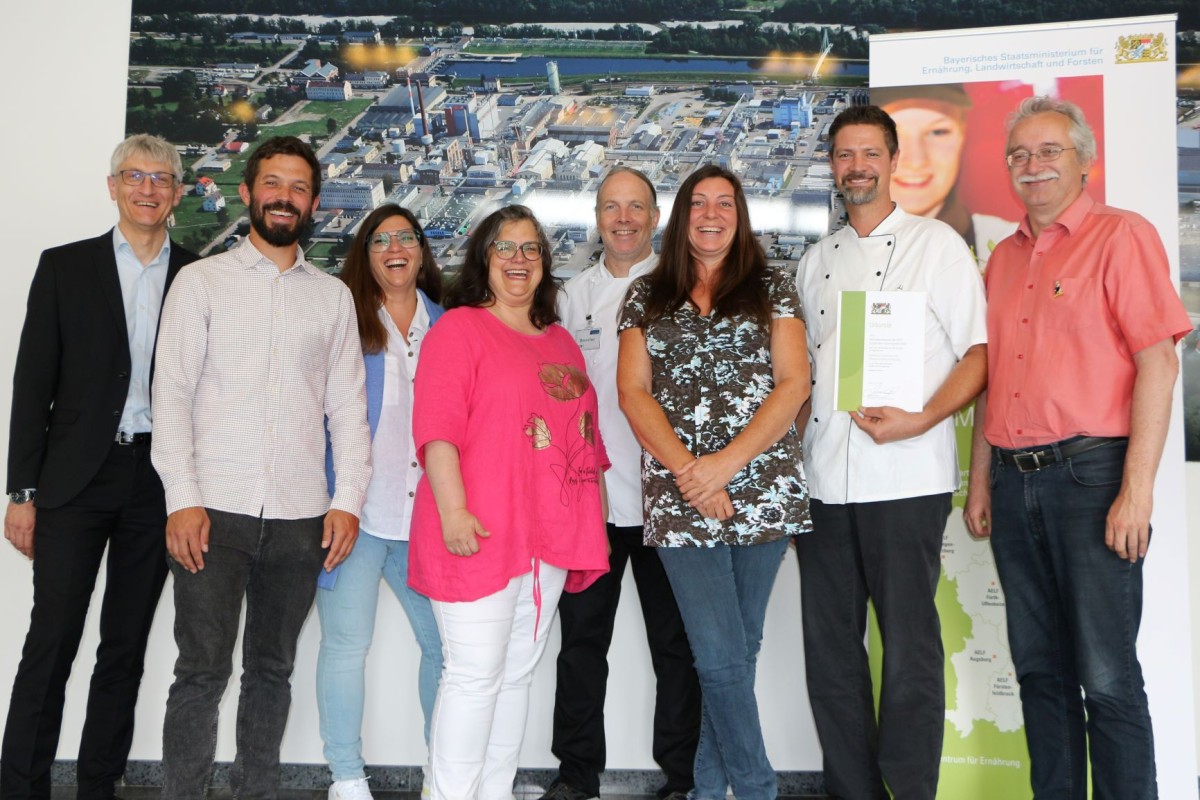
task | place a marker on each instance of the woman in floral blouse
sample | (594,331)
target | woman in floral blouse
(712,372)
(510,511)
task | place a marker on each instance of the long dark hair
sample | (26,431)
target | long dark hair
(741,288)
(471,287)
(366,291)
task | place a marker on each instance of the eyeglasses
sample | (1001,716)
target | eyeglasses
(382,240)
(1020,158)
(508,250)
(135,177)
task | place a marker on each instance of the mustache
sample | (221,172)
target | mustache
(1044,175)
(857,176)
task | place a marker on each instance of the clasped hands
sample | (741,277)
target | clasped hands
(702,483)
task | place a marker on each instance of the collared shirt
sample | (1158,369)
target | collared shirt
(589,306)
(387,512)
(904,253)
(249,362)
(142,290)
(1066,312)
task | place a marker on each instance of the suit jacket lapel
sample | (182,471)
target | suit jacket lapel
(105,261)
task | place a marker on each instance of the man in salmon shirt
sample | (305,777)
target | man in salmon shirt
(1083,319)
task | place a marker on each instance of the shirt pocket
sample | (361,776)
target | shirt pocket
(1069,305)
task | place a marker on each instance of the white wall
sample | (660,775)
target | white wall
(1191,474)
(57,152)
(60,131)
(56,146)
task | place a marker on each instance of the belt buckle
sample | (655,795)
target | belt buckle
(1027,462)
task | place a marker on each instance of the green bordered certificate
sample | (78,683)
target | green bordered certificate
(880,350)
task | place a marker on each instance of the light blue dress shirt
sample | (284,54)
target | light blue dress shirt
(142,289)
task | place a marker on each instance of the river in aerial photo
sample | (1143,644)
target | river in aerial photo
(535,66)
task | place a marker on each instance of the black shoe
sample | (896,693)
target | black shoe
(563,791)
(676,795)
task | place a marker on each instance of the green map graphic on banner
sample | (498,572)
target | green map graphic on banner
(984,753)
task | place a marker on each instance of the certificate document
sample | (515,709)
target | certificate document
(880,350)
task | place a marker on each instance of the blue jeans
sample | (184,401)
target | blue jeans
(347,615)
(1073,609)
(722,593)
(273,565)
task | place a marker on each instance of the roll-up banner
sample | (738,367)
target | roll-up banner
(1121,72)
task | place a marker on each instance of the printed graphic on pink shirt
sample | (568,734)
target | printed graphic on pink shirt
(566,384)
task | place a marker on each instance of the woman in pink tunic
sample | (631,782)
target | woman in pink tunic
(510,511)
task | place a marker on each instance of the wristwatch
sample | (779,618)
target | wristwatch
(22,496)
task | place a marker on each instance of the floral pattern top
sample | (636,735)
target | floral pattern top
(710,375)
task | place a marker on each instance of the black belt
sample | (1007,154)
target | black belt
(138,439)
(1034,458)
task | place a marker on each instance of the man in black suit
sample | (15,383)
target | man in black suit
(80,477)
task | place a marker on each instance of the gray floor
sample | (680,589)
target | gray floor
(155,793)
(310,782)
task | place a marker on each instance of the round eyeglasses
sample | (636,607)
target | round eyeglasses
(382,240)
(135,177)
(508,250)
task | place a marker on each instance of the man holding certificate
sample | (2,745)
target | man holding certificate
(896,335)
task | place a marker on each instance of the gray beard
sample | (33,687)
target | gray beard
(860,197)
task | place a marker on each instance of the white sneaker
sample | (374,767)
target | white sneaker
(350,790)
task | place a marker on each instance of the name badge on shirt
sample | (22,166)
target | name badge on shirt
(588,338)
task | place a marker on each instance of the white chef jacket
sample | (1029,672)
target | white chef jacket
(589,306)
(904,253)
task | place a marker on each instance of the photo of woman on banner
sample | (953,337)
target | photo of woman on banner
(932,125)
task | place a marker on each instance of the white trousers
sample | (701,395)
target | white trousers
(489,651)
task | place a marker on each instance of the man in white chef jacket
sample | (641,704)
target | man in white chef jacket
(590,305)
(881,478)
